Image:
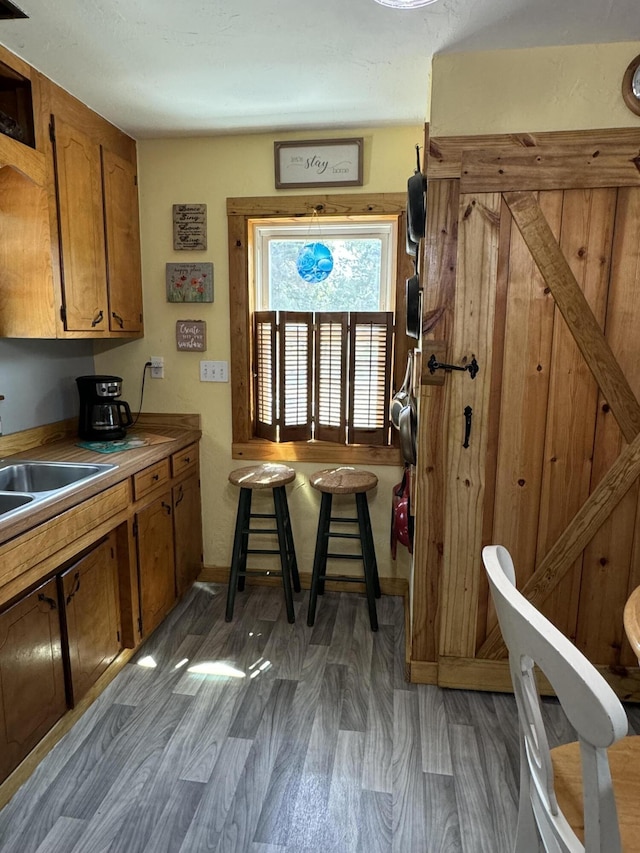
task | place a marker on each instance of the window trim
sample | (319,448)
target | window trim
(239,211)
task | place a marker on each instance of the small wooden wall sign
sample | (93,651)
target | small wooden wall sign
(191,335)
(189,227)
(189,282)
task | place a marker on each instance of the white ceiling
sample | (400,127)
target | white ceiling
(184,67)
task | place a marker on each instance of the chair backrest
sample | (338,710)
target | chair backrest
(590,704)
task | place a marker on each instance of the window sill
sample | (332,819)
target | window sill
(315,451)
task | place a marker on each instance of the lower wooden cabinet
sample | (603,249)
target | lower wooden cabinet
(156,568)
(187,526)
(32,687)
(91,619)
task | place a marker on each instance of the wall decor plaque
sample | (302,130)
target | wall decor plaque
(189,282)
(191,335)
(319,163)
(189,227)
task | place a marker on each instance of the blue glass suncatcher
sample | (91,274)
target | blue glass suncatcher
(315,262)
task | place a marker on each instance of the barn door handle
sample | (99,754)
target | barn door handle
(472,367)
(468,413)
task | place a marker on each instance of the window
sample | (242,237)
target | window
(313,364)
(322,348)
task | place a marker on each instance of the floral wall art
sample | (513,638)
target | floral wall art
(189,282)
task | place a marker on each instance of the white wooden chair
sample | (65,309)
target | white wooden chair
(582,796)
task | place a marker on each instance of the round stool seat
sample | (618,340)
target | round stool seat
(343,481)
(270,475)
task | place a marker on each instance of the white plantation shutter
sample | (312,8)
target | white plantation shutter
(330,392)
(264,372)
(295,374)
(370,339)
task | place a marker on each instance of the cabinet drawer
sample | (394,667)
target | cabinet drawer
(145,481)
(185,459)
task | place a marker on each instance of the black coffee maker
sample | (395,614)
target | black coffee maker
(103,417)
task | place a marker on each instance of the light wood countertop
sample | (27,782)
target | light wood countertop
(164,441)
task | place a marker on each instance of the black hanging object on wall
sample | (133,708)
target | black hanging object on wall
(8,11)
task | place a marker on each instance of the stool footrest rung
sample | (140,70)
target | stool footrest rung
(344,557)
(342,520)
(344,535)
(260,530)
(262,551)
(261,515)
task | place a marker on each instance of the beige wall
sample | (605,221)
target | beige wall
(208,170)
(555,88)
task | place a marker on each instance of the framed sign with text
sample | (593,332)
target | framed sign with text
(318,163)
(189,282)
(189,227)
(191,335)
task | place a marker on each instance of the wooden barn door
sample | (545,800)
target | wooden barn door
(547,299)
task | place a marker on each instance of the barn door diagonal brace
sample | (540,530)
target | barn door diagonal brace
(575,309)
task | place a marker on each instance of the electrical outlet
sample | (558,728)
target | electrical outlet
(157,367)
(214,371)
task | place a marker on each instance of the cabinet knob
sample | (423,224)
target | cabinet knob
(166,507)
(155,477)
(118,319)
(97,319)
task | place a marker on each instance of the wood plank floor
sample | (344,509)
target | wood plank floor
(261,736)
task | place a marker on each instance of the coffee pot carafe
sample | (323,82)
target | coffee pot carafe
(103,417)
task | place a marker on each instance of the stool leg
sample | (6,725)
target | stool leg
(239,555)
(367,517)
(291,550)
(278,502)
(368,558)
(245,540)
(320,558)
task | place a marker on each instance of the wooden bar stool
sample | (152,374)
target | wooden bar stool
(344,481)
(268,476)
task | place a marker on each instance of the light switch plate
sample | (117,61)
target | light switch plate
(214,371)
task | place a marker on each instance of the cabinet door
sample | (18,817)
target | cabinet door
(81,226)
(123,243)
(89,589)
(32,695)
(155,562)
(187,523)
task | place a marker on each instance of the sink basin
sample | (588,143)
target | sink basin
(11,502)
(45,476)
(26,484)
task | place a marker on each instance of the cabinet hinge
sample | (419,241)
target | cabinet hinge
(52,130)
(140,625)
(135,528)
(135,180)
(118,636)
(63,314)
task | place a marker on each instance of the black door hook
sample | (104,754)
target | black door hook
(472,367)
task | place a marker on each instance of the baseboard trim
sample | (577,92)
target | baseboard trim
(388,586)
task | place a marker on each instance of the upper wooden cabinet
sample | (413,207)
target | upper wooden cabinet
(70,263)
(97,209)
(124,283)
(81,226)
